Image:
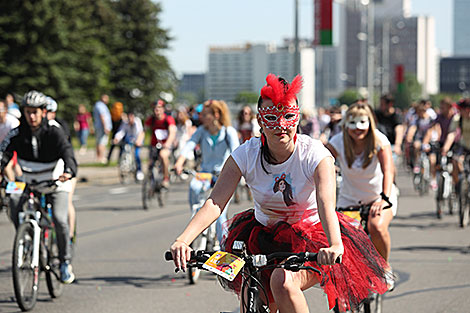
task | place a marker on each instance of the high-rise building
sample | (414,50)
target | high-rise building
(398,40)
(392,8)
(193,84)
(461,28)
(234,69)
(455,75)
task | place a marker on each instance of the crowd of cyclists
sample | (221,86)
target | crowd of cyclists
(283,152)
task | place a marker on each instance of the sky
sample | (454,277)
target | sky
(197,25)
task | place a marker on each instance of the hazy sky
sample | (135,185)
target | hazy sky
(196,25)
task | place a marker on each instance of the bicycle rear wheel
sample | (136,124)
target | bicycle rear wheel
(25,277)
(464,203)
(54,285)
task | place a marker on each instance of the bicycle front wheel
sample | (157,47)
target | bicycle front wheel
(25,276)
(200,243)
(148,190)
(54,285)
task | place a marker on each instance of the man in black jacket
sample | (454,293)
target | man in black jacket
(44,153)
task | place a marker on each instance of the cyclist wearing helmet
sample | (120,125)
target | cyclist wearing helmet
(44,153)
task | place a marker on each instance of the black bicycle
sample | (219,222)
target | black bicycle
(361,214)
(152,187)
(252,288)
(35,248)
(445,195)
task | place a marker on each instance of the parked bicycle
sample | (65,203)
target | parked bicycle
(152,187)
(127,164)
(361,214)
(464,193)
(445,195)
(254,297)
(35,248)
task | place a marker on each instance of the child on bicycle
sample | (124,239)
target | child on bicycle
(365,159)
(132,132)
(216,140)
(292,179)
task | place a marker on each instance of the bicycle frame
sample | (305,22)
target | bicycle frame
(254,264)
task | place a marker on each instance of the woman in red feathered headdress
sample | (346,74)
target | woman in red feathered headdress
(287,173)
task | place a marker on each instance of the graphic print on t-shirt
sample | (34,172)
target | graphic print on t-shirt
(283,184)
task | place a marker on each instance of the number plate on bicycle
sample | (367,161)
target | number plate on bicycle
(353,214)
(15,187)
(203,176)
(224,264)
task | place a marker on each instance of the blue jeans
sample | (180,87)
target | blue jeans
(197,194)
(83,136)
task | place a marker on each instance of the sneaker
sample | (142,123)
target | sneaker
(66,274)
(139,176)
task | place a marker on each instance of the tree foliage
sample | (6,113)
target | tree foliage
(349,96)
(411,91)
(246,97)
(75,50)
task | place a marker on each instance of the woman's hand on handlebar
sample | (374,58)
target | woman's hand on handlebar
(377,207)
(181,252)
(328,256)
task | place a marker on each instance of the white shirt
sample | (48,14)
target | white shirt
(10,123)
(272,200)
(131,132)
(359,184)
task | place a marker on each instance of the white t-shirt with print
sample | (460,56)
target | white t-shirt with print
(289,190)
(358,184)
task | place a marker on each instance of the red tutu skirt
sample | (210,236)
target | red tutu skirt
(361,272)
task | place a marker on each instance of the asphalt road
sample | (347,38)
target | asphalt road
(120,268)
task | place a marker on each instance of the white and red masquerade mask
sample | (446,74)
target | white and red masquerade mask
(279,116)
(285,112)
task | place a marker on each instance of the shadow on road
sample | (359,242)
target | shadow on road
(409,293)
(165,281)
(133,223)
(463,250)
(113,208)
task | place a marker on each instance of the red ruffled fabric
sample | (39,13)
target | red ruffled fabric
(361,272)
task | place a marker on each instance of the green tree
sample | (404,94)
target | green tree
(246,97)
(348,97)
(74,50)
(410,91)
(52,46)
(135,42)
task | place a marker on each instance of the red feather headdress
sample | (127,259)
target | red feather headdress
(280,93)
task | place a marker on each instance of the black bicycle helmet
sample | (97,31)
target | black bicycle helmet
(34,99)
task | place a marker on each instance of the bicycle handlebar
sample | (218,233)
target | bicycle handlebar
(258,259)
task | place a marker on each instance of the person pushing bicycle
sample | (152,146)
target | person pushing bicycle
(44,153)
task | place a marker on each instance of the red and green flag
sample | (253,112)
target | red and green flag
(324,22)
